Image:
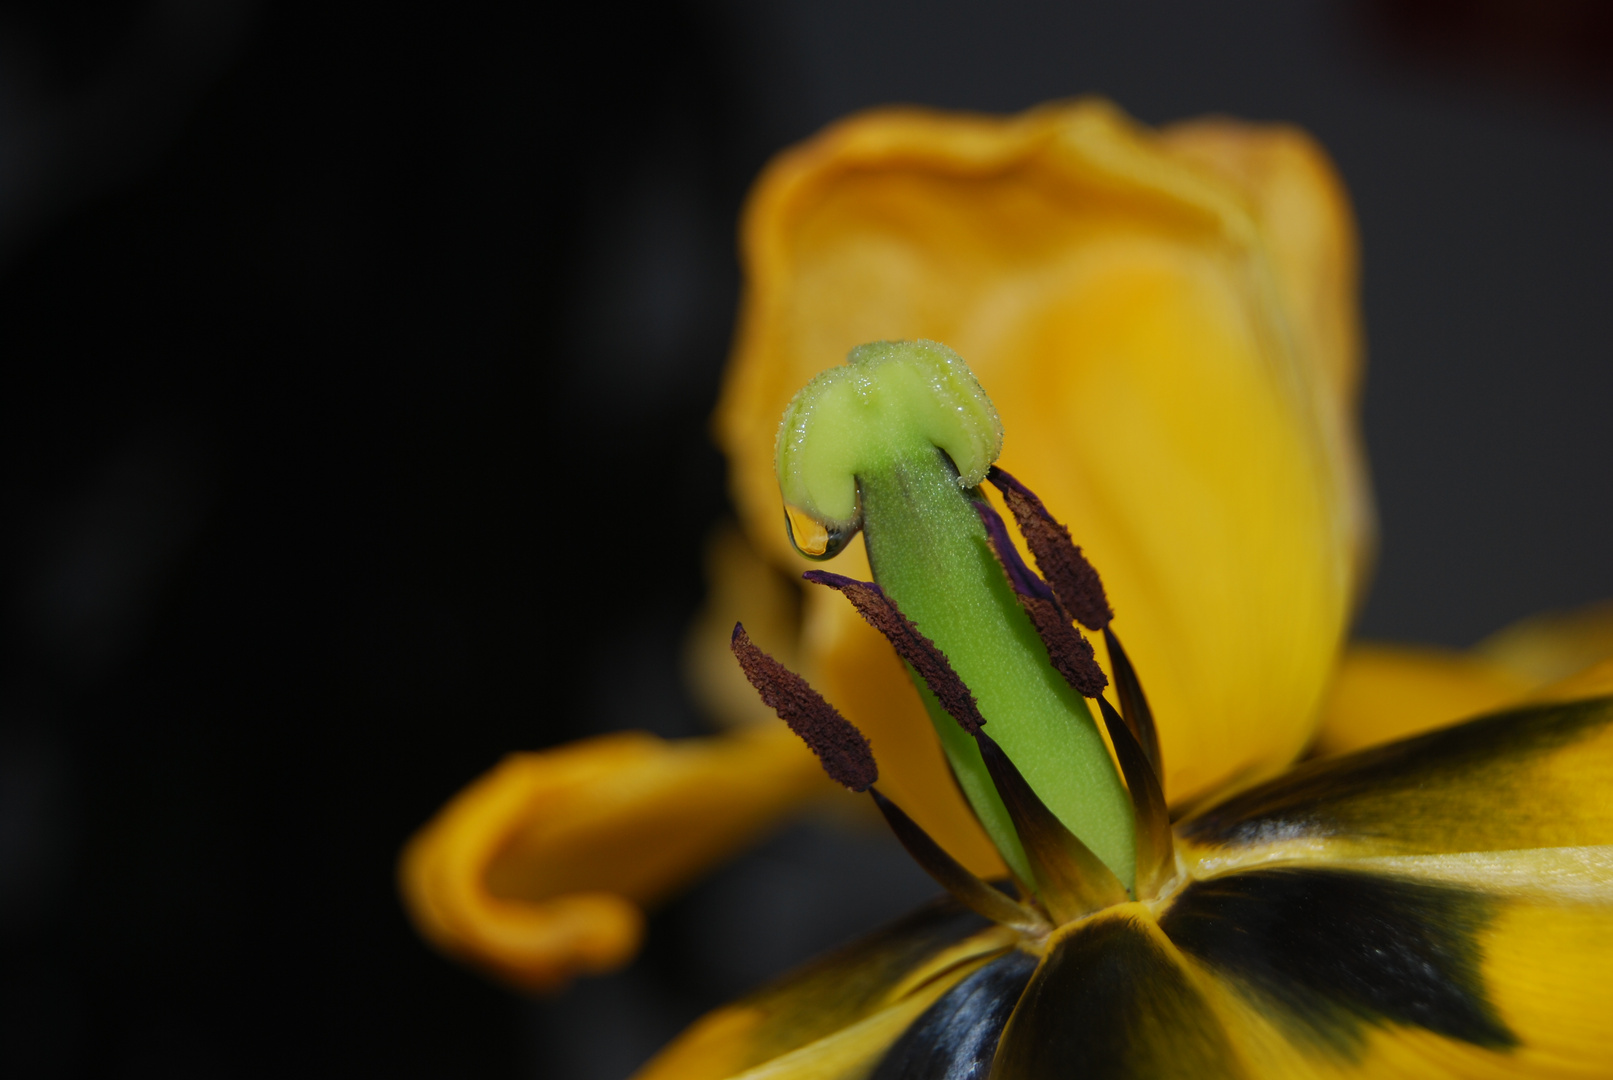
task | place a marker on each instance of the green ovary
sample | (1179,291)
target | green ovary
(877,427)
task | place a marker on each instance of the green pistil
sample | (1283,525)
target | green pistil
(877,428)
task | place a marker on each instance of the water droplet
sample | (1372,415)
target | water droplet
(812,538)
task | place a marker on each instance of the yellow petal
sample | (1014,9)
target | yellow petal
(741,587)
(1317,972)
(1305,219)
(540,870)
(1386,692)
(1546,966)
(838,1014)
(1594,681)
(1534,777)
(1551,646)
(1175,380)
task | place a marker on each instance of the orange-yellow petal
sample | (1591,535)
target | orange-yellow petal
(541,869)
(1175,379)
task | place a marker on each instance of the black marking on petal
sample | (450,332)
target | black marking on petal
(1070,880)
(842,749)
(1110,1003)
(956,1037)
(1070,653)
(1134,703)
(1432,793)
(1327,952)
(924,655)
(952,875)
(1074,580)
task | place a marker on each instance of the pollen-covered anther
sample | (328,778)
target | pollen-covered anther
(1074,580)
(840,747)
(926,658)
(1071,654)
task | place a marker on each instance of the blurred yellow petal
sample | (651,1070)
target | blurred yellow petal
(1176,381)
(541,869)
(839,1012)
(1553,645)
(741,587)
(1384,692)
(1594,681)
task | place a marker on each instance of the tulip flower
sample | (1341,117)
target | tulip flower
(1376,912)
(1166,325)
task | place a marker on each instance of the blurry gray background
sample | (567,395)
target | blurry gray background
(332,334)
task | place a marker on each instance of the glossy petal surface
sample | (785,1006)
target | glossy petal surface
(956,1038)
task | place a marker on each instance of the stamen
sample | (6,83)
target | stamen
(1156,857)
(842,749)
(952,875)
(1133,704)
(1074,581)
(1070,653)
(1070,880)
(929,661)
(1026,582)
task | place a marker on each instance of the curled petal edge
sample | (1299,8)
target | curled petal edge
(541,869)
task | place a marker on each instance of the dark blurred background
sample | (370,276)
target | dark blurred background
(354,367)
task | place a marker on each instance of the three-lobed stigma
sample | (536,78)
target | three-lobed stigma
(889,400)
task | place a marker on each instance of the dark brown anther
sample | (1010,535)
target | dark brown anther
(1133,705)
(1073,579)
(1071,654)
(1070,880)
(953,876)
(1156,852)
(927,659)
(842,749)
